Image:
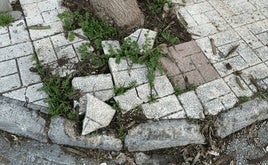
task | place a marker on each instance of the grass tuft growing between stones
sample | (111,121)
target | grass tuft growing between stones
(5,19)
(156,6)
(59,89)
(119,90)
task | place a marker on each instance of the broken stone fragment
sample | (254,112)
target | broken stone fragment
(5,6)
(98,115)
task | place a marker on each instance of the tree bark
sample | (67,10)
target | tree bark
(5,6)
(123,13)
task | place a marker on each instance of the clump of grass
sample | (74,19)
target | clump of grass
(243,99)
(191,87)
(93,28)
(178,90)
(167,37)
(119,90)
(156,6)
(6,19)
(59,90)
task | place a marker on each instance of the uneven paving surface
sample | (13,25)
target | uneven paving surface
(230,48)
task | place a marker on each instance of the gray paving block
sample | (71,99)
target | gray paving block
(124,78)
(106,45)
(93,83)
(15,51)
(8,67)
(163,134)
(129,100)
(162,87)
(18,32)
(61,131)
(27,77)
(98,115)
(192,105)
(19,120)
(45,51)
(10,82)
(164,108)
(242,116)
(5,40)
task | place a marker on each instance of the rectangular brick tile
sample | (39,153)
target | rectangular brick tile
(187,48)
(185,64)
(194,77)
(199,59)
(170,67)
(208,72)
(178,81)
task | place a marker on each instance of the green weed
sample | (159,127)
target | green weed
(6,19)
(178,90)
(119,90)
(156,6)
(191,87)
(167,37)
(59,90)
(243,99)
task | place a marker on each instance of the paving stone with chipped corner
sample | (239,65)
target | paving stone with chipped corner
(192,105)
(163,107)
(98,115)
(129,100)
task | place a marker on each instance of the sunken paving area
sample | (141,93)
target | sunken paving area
(228,52)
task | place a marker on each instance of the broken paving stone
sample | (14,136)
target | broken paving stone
(164,108)
(61,131)
(98,115)
(192,105)
(143,37)
(242,116)
(129,100)
(162,87)
(100,85)
(19,120)
(107,45)
(163,134)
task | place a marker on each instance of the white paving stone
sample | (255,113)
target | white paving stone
(18,32)
(32,13)
(146,38)
(59,40)
(10,82)
(129,100)
(55,27)
(3,30)
(134,75)
(93,83)
(233,82)
(263,37)
(192,105)
(15,51)
(237,63)
(164,108)
(5,40)
(203,30)
(66,52)
(45,50)
(50,16)
(27,77)
(98,115)
(216,96)
(8,67)
(225,37)
(258,27)
(107,45)
(115,67)
(262,53)
(199,8)
(217,20)
(162,87)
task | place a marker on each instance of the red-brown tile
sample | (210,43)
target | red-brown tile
(187,48)
(208,72)
(199,59)
(178,81)
(185,64)
(169,66)
(194,77)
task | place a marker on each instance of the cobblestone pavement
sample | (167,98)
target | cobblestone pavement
(228,51)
